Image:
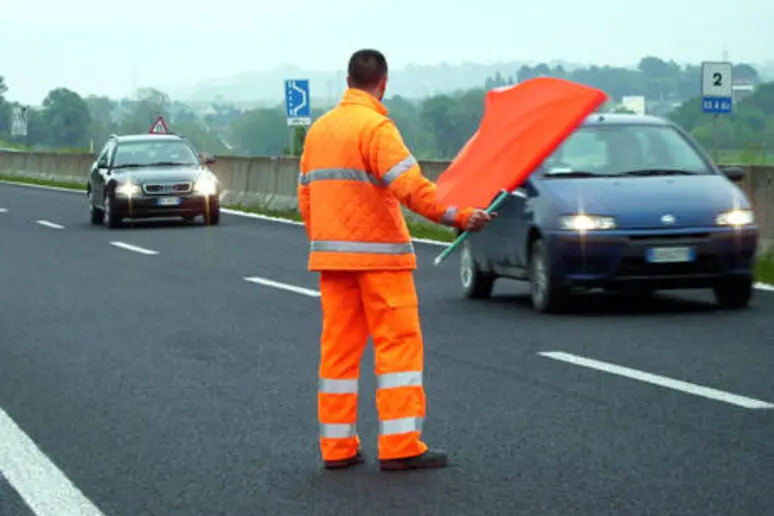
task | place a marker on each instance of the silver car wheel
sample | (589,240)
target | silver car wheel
(107,210)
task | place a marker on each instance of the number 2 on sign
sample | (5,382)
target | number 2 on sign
(717,79)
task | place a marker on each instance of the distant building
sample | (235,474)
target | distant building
(741,89)
(635,104)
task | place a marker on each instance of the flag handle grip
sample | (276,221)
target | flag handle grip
(465,234)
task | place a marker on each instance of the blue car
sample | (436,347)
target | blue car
(626,203)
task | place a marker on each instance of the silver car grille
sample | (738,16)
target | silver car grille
(167,188)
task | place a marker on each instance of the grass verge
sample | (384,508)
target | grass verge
(764,270)
(417,229)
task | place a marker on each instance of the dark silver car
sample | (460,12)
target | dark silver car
(151,176)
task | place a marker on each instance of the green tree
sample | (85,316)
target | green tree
(5,109)
(142,110)
(67,119)
(103,122)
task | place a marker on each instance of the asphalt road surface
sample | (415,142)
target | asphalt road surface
(142,374)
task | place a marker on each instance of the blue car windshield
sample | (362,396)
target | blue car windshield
(624,150)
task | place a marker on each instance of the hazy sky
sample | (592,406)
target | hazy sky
(109,47)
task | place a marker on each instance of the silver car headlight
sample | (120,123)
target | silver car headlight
(586,222)
(735,218)
(128,189)
(206,186)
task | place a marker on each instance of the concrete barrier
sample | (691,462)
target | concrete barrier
(270,182)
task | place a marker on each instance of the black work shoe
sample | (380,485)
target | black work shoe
(344,463)
(429,459)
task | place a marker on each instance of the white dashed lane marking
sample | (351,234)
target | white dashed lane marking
(134,248)
(40,483)
(661,381)
(48,224)
(283,286)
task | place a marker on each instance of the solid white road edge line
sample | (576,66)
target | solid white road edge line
(662,381)
(283,286)
(43,486)
(134,248)
(48,224)
(257,216)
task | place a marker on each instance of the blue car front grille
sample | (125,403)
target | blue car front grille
(638,266)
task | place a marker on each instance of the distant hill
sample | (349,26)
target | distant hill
(414,81)
(259,88)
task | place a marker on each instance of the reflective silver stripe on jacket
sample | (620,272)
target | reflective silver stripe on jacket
(345,174)
(351,174)
(334,386)
(403,379)
(361,176)
(337,430)
(450,216)
(401,426)
(344,246)
(399,169)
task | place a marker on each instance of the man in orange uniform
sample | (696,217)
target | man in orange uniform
(355,174)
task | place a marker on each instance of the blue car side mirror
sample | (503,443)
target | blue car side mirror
(735,174)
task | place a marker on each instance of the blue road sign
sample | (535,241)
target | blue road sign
(717,105)
(298,107)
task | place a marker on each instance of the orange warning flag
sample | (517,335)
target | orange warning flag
(522,125)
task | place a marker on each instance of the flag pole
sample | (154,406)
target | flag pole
(465,234)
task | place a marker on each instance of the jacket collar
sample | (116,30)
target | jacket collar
(360,98)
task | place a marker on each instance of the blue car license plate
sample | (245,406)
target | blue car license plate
(168,201)
(670,254)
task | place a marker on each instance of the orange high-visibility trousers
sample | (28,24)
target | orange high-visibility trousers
(384,305)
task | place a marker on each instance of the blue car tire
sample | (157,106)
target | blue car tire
(546,293)
(734,293)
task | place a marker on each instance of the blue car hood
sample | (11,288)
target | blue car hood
(640,202)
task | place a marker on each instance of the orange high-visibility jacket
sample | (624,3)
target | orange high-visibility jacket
(356,171)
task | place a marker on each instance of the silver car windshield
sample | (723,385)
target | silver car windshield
(150,153)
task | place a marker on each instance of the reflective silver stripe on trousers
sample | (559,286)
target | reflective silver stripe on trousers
(401,426)
(396,171)
(337,430)
(345,174)
(393,380)
(332,386)
(344,246)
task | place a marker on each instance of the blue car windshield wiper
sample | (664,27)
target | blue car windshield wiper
(659,172)
(575,173)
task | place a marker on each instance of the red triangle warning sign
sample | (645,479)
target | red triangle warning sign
(159,126)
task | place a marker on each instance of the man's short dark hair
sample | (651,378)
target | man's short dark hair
(366,68)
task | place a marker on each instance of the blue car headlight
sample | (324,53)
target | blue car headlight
(206,186)
(582,222)
(735,218)
(128,189)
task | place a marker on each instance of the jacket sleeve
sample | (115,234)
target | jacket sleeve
(394,164)
(303,194)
